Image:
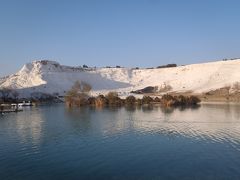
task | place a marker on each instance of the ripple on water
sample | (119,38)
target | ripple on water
(109,142)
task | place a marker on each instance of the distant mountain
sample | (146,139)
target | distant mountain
(51,77)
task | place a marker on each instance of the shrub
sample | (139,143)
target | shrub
(80,100)
(112,95)
(193,100)
(113,99)
(86,88)
(130,100)
(139,102)
(81,87)
(168,100)
(78,94)
(101,101)
(182,100)
(147,100)
(157,99)
(91,101)
(167,97)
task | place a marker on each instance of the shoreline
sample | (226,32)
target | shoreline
(217,96)
(219,102)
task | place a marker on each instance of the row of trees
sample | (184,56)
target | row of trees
(8,94)
(79,96)
(168,100)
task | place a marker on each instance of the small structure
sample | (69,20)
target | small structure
(25,103)
(7,108)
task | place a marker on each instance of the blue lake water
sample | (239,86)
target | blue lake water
(53,142)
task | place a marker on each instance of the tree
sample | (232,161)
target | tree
(193,100)
(147,100)
(78,94)
(81,87)
(76,86)
(15,95)
(86,88)
(130,100)
(5,92)
(101,101)
(114,99)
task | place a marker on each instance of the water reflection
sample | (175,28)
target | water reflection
(218,123)
(28,125)
(85,143)
(80,119)
(215,122)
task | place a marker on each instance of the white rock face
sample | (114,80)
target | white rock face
(51,77)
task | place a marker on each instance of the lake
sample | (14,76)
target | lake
(54,142)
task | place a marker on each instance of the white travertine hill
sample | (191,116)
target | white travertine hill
(51,77)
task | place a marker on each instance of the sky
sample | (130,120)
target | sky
(129,33)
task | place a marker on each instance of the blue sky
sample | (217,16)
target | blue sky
(130,33)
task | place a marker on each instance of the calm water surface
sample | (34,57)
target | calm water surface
(52,142)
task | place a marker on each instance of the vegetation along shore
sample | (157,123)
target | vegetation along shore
(78,96)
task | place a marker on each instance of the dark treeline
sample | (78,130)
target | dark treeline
(167,66)
(8,95)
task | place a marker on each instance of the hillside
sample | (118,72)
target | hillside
(51,77)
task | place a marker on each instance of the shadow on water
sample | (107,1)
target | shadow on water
(131,108)
(79,118)
(117,119)
(170,110)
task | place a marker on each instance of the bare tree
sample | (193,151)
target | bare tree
(86,88)
(81,87)
(78,94)
(76,86)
